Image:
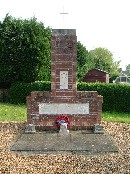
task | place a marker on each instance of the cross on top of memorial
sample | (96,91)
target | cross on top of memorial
(63,13)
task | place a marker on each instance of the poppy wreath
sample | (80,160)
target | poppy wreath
(62,119)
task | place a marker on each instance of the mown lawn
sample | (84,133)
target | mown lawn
(10,112)
(116,117)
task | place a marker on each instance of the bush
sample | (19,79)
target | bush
(116,97)
(24,50)
(19,91)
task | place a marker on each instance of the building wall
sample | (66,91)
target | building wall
(96,76)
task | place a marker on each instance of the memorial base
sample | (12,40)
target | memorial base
(41,112)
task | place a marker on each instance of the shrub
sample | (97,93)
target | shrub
(19,91)
(24,50)
(116,97)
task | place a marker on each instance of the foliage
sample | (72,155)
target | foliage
(19,91)
(24,50)
(104,60)
(116,97)
(84,62)
(25,53)
(112,78)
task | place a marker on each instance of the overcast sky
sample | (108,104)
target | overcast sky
(98,23)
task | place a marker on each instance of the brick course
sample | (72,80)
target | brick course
(64,59)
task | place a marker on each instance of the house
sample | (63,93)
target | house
(96,75)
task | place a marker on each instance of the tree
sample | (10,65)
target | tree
(84,62)
(24,50)
(103,59)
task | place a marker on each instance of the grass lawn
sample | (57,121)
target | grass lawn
(116,117)
(10,112)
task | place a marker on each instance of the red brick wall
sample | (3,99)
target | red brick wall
(96,76)
(80,121)
(64,57)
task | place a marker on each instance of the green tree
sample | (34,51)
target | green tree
(103,59)
(84,61)
(24,50)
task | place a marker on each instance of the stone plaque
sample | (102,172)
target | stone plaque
(63,79)
(63,108)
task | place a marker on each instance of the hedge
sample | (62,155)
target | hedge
(116,97)
(19,91)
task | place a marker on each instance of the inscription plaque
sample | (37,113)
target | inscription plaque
(63,108)
(63,79)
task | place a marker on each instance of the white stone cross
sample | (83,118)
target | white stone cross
(63,13)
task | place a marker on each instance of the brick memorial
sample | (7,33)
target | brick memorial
(82,108)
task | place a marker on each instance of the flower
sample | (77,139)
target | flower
(62,119)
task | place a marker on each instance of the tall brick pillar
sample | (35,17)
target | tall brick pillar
(64,55)
(83,108)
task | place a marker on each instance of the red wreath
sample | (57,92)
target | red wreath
(62,119)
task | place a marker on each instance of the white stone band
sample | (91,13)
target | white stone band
(63,108)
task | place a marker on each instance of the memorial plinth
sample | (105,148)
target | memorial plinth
(83,108)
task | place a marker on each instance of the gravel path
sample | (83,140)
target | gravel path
(16,163)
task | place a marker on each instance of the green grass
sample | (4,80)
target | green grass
(10,112)
(116,117)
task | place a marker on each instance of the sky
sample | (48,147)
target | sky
(98,23)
